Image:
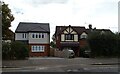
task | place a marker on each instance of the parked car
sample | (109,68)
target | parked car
(87,53)
(71,53)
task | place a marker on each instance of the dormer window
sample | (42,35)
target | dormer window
(83,36)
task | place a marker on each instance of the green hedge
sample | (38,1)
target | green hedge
(106,45)
(14,50)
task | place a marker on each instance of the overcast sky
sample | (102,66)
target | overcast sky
(102,14)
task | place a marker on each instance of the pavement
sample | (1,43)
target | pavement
(55,64)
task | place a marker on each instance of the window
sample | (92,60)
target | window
(24,35)
(38,35)
(37,48)
(33,36)
(69,36)
(83,36)
(42,35)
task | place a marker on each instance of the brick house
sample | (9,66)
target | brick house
(36,35)
(70,37)
(74,37)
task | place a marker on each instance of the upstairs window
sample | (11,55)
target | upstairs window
(38,35)
(24,35)
(33,36)
(42,35)
(83,36)
(69,36)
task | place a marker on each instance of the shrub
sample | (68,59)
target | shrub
(14,50)
(103,44)
(6,51)
(83,51)
(19,50)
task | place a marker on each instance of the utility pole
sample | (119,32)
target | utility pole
(119,16)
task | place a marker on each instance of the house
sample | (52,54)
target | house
(74,37)
(9,37)
(36,35)
(70,37)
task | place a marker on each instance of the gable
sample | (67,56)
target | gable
(65,30)
(69,30)
(83,33)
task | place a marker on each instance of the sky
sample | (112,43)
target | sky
(102,14)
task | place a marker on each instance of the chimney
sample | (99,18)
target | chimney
(90,26)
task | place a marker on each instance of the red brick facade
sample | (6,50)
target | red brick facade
(83,43)
(74,45)
(37,54)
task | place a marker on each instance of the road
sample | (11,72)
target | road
(62,65)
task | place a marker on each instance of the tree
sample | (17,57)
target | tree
(52,44)
(7,18)
(103,44)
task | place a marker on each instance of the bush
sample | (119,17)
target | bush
(103,44)
(84,50)
(6,50)
(15,50)
(19,50)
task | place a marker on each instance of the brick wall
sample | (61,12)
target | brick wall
(83,42)
(37,54)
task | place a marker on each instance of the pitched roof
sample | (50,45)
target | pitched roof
(98,30)
(32,27)
(78,29)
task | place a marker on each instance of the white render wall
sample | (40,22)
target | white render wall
(75,37)
(19,36)
(62,37)
(45,40)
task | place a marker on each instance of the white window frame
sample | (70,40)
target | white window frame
(24,35)
(83,35)
(38,35)
(43,35)
(33,35)
(38,48)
